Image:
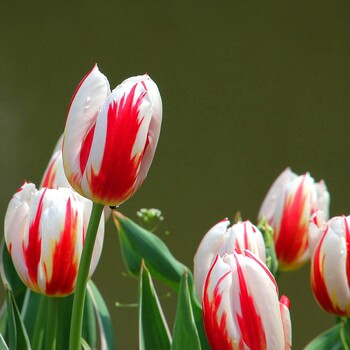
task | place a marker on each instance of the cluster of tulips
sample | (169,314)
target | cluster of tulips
(54,239)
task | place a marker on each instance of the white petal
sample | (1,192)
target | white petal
(334,246)
(323,198)
(156,111)
(206,253)
(89,96)
(268,206)
(317,226)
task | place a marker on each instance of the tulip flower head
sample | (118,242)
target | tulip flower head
(44,232)
(223,238)
(330,263)
(241,309)
(110,137)
(288,206)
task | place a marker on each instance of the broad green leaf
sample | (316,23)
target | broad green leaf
(328,340)
(185,335)
(18,338)
(29,310)
(9,276)
(103,318)
(3,320)
(138,244)
(153,330)
(89,322)
(3,345)
(197,313)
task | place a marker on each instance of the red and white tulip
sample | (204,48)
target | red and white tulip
(223,238)
(110,137)
(288,206)
(241,309)
(44,232)
(330,263)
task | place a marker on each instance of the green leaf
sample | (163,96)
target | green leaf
(9,275)
(103,317)
(18,338)
(29,310)
(153,330)
(3,320)
(3,345)
(89,322)
(138,243)
(185,335)
(329,340)
(197,313)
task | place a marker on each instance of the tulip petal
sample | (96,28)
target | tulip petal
(216,302)
(317,225)
(206,253)
(323,198)
(291,222)
(330,268)
(117,148)
(287,324)
(268,206)
(81,118)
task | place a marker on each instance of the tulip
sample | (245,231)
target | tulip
(45,232)
(241,309)
(288,206)
(330,263)
(110,137)
(223,238)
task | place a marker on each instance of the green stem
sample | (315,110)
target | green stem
(51,322)
(343,331)
(38,334)
(83,272)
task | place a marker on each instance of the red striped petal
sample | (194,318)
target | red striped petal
(318,282)
(65,262)
(32,252)
(216,329)
(250,323)
(291,242)
(115,180)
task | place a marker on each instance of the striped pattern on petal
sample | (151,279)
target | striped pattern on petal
(87,99)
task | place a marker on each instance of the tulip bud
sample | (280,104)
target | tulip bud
(110,137)
(287,207)
(222,239)
(240,303)
(44,233)
(330,263)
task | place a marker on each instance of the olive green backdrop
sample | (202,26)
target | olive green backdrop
(248,87)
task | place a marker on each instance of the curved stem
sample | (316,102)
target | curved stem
(51,330)
(83,272)
(343,331)
(38,334)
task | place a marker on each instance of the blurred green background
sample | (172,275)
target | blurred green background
(248,88)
